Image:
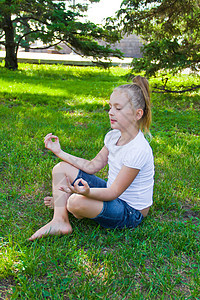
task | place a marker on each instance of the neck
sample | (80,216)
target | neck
(128,135)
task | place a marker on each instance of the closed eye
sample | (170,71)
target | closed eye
(116,107)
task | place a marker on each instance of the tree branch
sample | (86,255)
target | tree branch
(27,33)
(164,90)
(41,48)
(74,50)
(20,19)
(1,36)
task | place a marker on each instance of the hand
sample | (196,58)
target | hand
(53,146)
(77,189)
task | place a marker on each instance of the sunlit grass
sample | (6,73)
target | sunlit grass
(159,259)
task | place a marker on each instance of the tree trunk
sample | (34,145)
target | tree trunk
(11,55)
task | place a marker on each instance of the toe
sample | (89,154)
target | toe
(32,238)
(48,198)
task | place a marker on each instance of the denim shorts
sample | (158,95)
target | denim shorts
(116,213)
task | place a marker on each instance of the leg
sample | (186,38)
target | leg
(92,180)
(116,213)
(60,222)
(83,207)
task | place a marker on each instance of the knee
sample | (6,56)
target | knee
(74,204)
(59,168)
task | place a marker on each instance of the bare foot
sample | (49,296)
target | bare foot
(54,227)
(49,202)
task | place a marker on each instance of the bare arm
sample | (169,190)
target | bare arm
(123,180)
(88,166)
(121,183)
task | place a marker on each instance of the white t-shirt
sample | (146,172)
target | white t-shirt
(136,154)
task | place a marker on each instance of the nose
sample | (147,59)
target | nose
(110,112)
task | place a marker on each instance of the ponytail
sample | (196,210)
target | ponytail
(143,84)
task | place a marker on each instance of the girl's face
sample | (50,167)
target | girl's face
(122,115)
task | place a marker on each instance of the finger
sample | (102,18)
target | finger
(84,182)
(50,135)
(49,138)
(76,183)
(65,189)
(78,187)
(86,186)
(72,189)
(54,137)
(46,142)
(68,181)
(47,135)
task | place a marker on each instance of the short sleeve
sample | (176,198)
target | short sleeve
(107,139)
(111,138)
(135,159)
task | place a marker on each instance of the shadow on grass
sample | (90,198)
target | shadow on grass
(99,83)
(178,102)
(171,121)
(70,102)
(57,86)
(62,72)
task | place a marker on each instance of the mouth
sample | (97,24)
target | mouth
(112,121)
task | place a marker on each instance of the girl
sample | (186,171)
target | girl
(125,199)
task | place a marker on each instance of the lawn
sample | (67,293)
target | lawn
(158,260)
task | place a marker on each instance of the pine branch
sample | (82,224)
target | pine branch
(2,35)
(164,90)
(72,48)
(22,19)
(27,33)
(46,47)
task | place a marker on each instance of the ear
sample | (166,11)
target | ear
(139,113)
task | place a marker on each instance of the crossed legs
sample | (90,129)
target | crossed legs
(62,202)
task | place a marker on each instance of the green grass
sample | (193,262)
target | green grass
(158,260)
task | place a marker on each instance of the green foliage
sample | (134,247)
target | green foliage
(23,22)
(170,31)
(160,257)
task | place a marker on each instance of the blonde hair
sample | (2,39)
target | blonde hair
(139,94)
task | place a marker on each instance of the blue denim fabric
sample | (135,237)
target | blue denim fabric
(92,180)
(116,213)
